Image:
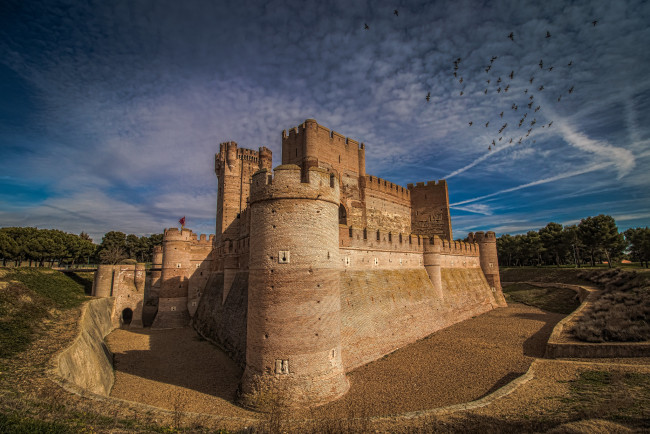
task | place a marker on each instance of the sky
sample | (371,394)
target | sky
(111,111)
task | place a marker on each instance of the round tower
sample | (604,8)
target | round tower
(172,301)
(432,261)
(487,243)
(294,321)
(156,271)
(103,281)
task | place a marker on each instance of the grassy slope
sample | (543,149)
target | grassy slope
(27,297)
(558,300)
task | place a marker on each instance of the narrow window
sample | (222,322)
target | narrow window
(390,236)
(350,232)
(365,233)
(343,215)
(377,235)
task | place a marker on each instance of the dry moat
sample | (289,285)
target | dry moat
(176,369)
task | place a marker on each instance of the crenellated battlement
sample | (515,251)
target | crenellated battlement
(174,234)
(298,133)
(287,182)
(482,237)
(440,182)
(379,239)
(379,184)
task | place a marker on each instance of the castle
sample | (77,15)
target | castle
(316,268)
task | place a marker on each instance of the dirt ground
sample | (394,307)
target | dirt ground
(177,370)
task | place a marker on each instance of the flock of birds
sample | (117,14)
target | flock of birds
(496,84)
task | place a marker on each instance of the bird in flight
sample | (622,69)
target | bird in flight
(559,98)
(488,68)
(594,22)
(541,88)
(548,35)
(499,80)
(570,63)
(514,106)
(537,108)
(396,12)
(461,80)
(550,123)
(461,93)
(512,35)
(493,59)
(501,114)
(506,89)
(526,91)
(366,26)
(498,90)
(571,89)
(487,123)
(541,64)
(512,74)
(485,91)
(550,69)
(470,123)
(531,79)
(428,96)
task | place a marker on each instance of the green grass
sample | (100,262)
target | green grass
(29,296)
(61,289)
(617,396)
(558,300)
(10,423)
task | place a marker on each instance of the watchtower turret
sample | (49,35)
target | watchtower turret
(487,243)
(234,167)
(176,262)
(294,322)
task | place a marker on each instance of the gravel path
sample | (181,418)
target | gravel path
(175,369)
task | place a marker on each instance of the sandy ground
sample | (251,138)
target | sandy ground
(175,369)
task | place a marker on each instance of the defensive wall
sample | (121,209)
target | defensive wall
(126,284)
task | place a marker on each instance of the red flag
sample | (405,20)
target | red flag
(182,221)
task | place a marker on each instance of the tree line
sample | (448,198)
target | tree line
(593,240)
(45,247)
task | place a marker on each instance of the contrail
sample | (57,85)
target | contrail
(538,182)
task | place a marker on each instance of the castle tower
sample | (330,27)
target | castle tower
(176,263)
(294,322)
(487,243)
(432,261)
(234,167)
(430,209)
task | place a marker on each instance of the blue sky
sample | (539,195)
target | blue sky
(111,111)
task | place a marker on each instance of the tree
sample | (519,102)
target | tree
(639,241)
(532,248)
(600,235)
(572,241)
(553,241)
(8,248)
(112,255)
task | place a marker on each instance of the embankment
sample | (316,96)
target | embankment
(88,363)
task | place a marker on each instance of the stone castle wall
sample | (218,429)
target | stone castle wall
(318,268)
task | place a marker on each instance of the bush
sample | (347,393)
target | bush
(622,311)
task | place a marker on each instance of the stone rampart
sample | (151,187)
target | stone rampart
(88,363)
(383,310)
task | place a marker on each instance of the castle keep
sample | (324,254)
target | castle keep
(317,268)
